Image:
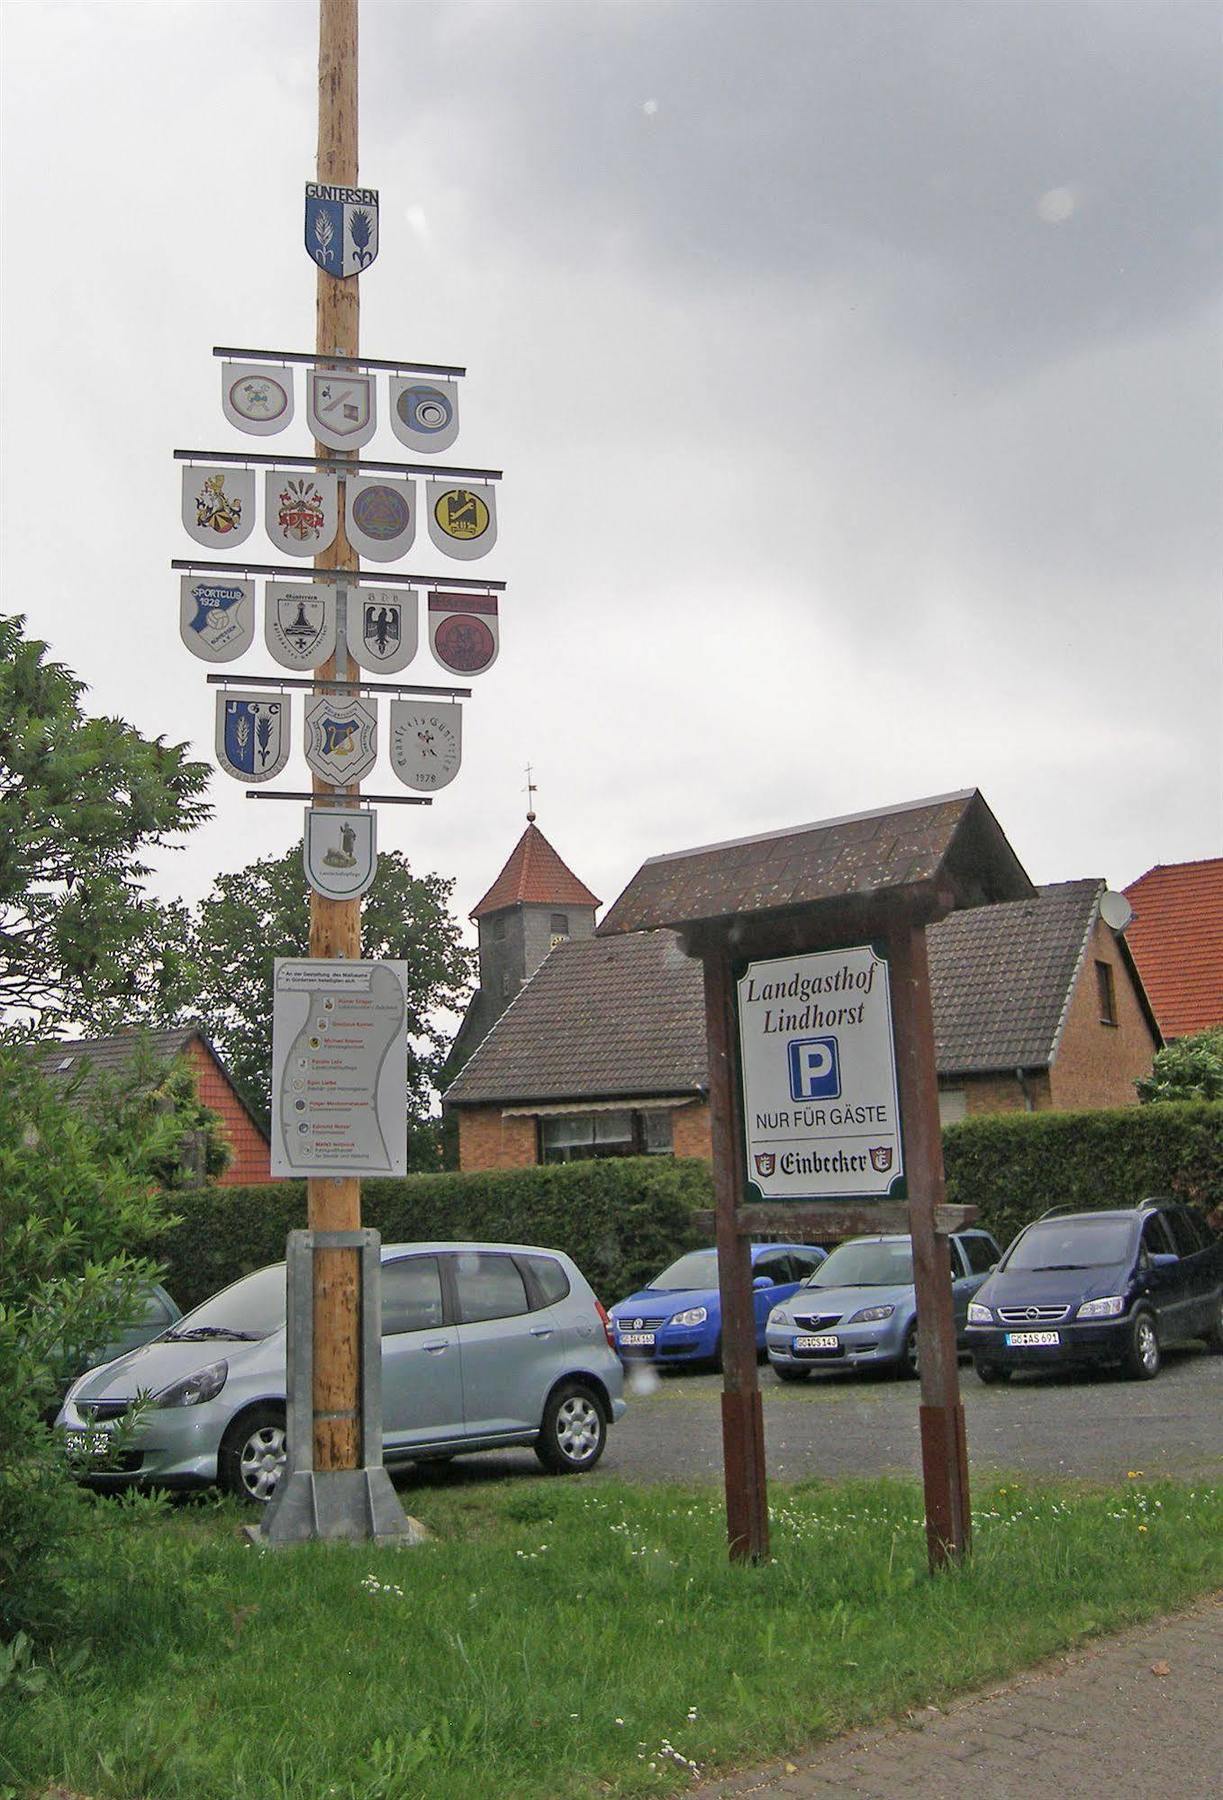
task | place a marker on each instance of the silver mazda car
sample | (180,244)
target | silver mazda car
(483,1346)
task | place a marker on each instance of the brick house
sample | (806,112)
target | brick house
(250,1154)
(1037,1003)
(1176,936)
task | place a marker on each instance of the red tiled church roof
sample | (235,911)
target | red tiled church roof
(534,876)
(1176,938)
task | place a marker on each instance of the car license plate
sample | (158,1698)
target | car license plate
(1033,1339)
(87,1443)
(637,1340)
(823,1340)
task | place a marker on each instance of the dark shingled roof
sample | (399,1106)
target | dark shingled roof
(111,1055)
(598,1018)
(953,843)
(1001,978)
(624,1016)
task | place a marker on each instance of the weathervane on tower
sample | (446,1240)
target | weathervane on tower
(531,791)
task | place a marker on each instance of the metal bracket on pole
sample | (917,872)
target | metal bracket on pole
(345,1504)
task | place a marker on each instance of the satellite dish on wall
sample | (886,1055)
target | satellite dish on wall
(1115,910)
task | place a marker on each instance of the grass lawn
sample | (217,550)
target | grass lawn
(567,1638)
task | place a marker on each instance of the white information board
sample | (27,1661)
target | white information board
(339,1068)
(821,1111)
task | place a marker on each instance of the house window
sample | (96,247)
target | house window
(1107,993)
(558,925)
(498,927)
(576,1137)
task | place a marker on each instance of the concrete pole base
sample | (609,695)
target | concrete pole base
(339,1506)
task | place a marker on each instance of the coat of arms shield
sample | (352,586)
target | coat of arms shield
(341,407)
(300,511)
(462,520)
(256,397)
(299,623)
(216,616)
(341,737)
(426,743)
(424,414)
(382,627)
(464,633)
(252,734)
(218,505)
(341,228)
(379,517)
(338,849)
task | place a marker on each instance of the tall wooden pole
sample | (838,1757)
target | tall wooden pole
(334,1202)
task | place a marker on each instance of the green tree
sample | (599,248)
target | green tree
(82,800)
(80,1205)
(261,912)
(1189,1069)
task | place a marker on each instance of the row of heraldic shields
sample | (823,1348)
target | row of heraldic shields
(302,512)
(425,737)
(341,405)
(301,624)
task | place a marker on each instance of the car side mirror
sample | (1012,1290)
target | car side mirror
(1164,1259)
(761,1281)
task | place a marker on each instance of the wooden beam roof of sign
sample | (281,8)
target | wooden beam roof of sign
(942,853)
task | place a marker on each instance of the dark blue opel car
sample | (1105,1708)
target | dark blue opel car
(1099,1288)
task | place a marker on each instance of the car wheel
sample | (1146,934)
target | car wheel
(908,1356)
(574,1429)
(252,1455)
(990,1373)
(1214,1334)
(1142,1353)
(787,1374)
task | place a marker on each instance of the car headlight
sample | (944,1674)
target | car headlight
(695,1315)
(1107,1308)
(193,1390)
(870,1315)
(779,1316)
(978,1314)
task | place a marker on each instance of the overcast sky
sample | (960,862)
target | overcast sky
(854,369)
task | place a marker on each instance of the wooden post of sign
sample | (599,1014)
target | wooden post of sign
(743,1461)
(334,1203)
(944,1448)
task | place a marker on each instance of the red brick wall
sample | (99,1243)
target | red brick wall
(251,1155)
(1002,1093)
(1097,1064)
(489,1141)
(690,1134)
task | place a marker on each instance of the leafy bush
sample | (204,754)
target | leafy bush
(621,1219)
(1014,1166)
(1189,1069)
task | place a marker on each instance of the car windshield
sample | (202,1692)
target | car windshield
(866,1265)
(251,1308)
(699,1269)
(1072,1244)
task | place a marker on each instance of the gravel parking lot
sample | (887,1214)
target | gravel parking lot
(1097,1426)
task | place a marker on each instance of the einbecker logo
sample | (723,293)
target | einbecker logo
(881,1157)
(766,1162)
(815,1068)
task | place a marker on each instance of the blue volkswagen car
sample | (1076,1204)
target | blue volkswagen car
(677,1317)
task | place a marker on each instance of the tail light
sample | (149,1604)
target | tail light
(607,1325)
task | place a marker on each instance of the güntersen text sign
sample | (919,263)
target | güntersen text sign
(821,1113)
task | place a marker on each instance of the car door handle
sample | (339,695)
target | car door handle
(436,1349)
(541,1330)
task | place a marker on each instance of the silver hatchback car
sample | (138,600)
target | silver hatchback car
(483,1346)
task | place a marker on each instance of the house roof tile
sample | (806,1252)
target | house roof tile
(1176,938)
(534,876)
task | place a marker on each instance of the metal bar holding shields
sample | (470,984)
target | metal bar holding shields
(358,1503)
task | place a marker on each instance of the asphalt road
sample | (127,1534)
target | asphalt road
(1094,1427)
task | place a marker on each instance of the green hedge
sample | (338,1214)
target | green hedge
(621,1220)
(1014,1166)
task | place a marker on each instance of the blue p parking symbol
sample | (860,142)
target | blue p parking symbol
(815,1068)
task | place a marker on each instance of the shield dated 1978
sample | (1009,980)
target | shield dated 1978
(341,408)
(216,616)
(218,505)
(339,851)
(341,736)
(299,622)
(252,739)
(382,627)
(426,743)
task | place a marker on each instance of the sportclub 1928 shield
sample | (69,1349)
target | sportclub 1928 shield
(341,228)
(424,414)
(380,518)
(216,616)
(299,623)
(252,734)
(341,407)
(426,743)
(464,633)
(218,505)
(382,627)
(341,736)
(338,850)
(462,520)
(256,397)
(301,511)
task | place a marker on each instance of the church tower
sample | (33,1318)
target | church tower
(535,903)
